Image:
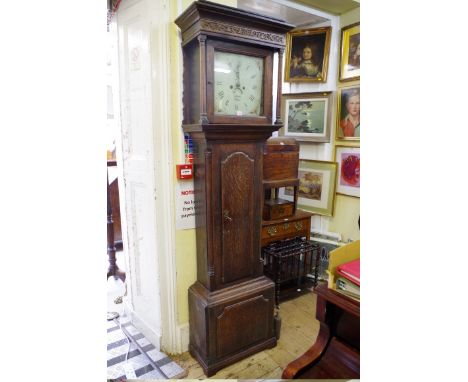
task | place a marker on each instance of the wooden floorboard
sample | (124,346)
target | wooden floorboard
(299,330)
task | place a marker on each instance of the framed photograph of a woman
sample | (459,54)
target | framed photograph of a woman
(348,124)
(307,53)
(307,116)
(350,63)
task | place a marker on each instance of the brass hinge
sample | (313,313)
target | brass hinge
(210,271)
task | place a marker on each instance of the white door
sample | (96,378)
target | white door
(138,159)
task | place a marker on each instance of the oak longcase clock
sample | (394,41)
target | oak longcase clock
(228,98)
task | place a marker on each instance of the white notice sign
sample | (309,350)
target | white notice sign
(185,205)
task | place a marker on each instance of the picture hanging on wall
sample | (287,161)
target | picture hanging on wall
(349,168)
(316,193)
(307,53)
(350,63)
(348,124)
(307,116)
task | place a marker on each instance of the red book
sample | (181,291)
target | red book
(351,270)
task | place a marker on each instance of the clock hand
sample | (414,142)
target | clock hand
(237,80)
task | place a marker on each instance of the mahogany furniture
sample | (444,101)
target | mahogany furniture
(335,354)
(286,228)
(115,205)
(113,269)
(228,96)
(290,260)
(280,169)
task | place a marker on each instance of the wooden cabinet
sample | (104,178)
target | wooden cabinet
(228,94)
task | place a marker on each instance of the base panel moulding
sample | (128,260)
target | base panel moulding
(230,324)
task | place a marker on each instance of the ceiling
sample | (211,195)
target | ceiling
(288,14)
(336,7)
(295,16)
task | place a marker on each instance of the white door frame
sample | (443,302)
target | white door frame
(156,16)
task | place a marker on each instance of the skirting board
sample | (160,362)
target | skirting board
(148,332)
(183,338)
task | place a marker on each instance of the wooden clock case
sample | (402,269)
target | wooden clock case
(231,305)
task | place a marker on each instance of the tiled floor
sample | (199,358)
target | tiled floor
(121,366)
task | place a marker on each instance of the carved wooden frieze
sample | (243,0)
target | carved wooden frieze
(233,30)
(240,31)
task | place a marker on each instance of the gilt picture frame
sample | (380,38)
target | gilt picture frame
(307,116)
(348,121)
(350,58)
(307,52)
(316,191)
(349,170)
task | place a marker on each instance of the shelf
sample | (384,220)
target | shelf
(280,183)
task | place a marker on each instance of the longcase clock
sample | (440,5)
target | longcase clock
(228,94)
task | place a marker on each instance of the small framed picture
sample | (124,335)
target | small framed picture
(349,170)
(307,53)
(348,124)
(350,63)
(307,116)
(317,180)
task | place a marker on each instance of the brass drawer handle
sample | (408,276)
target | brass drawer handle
(298,225)
(272,231)
(285,226)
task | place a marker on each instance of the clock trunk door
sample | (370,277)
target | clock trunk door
(238,212)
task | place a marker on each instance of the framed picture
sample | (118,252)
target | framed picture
(317,180)
(349,170)
(348,124)
(307,116)
(350,63)
(307,53)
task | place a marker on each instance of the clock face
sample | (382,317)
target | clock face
(238,84)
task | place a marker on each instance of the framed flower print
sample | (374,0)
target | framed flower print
(349,170)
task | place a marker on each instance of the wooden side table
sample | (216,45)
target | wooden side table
(335,353)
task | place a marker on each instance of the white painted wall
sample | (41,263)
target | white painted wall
(319,151)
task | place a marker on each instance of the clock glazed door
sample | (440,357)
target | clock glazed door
(236,181)
(237,87)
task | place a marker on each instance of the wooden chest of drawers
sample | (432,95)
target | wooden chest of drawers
(285,228)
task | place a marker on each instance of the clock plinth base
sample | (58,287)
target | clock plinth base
(230,324)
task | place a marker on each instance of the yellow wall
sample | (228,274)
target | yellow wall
(345,220)
(186,262)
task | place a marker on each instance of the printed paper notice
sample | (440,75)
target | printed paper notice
(185,205)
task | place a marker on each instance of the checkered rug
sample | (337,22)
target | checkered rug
(135,365)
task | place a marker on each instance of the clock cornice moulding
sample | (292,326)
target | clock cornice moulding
(204,17)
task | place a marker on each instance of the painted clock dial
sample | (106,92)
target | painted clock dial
(238,84)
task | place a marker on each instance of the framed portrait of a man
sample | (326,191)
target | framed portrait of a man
(350,63)
(307,116)
(307,52)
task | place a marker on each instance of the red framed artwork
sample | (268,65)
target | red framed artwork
(349,170)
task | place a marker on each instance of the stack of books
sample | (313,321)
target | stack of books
(349,282)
